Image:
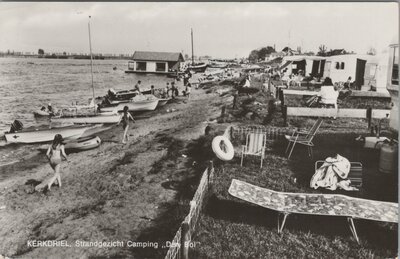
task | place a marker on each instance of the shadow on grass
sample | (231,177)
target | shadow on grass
(172,214)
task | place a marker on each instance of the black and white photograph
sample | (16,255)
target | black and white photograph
(199,130)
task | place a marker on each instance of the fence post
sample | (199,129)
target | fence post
(284,114)
(369,116)
(210,169)
(281,97)
(223,113)
(184,240)
(235,96)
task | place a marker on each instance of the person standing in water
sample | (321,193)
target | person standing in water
(54,153)
(125,124)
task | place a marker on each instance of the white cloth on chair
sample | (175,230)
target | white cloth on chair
(331,173)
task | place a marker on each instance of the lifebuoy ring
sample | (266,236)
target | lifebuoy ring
(225,154)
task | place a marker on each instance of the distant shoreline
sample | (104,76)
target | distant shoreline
(97,57)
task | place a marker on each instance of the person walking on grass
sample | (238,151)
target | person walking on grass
(125,124)
(54,153)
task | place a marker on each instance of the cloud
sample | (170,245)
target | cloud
(220,29)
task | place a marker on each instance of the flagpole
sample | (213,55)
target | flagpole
(91,58)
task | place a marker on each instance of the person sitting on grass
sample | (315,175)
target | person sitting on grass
(125,124)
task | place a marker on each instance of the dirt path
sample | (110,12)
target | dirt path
(109,194)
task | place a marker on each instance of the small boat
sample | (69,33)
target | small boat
(89,119)
(42,113)
(218,65)
(197,67)
(36,135)
(162,101)
(121,95)
(79,144)
(91,105)
(138,103)
(83,143)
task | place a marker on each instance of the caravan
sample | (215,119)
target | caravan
(339,68)
(309,65)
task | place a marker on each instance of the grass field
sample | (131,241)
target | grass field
(231,228)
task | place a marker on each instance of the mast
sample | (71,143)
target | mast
(91,58)
(191,30)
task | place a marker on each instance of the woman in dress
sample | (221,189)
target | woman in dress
(54,153)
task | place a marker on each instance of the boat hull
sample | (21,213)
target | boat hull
(40,113)
(83,143)
(198,68)
(162,102)
(145,105)
(45,135)
(115,118)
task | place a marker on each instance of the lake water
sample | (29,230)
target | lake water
(28,83)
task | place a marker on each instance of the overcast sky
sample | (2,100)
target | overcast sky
(220,29)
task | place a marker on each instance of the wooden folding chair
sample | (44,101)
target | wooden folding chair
(303,138)
(255,145)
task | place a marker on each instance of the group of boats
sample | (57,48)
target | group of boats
(78,124)
(84,121)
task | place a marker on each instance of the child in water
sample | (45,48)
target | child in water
(54,153)
(125,124)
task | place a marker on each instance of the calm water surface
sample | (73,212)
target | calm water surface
(25,87)
(28,83)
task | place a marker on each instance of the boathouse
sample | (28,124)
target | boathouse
(155,62)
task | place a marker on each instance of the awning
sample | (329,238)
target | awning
(285,65)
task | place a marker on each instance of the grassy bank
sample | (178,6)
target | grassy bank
(231,228)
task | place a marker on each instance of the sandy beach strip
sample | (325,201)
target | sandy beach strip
(107,193)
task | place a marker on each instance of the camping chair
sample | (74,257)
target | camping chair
(303,138)
(355,174)
(255,145)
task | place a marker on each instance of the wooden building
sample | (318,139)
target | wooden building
(155,62)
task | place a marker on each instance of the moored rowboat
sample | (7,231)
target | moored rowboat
(138,103)
(79,144)
(83,143)
(38,135)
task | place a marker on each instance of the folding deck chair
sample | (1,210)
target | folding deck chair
(287,203)
(355,174)
(303,138)
(255,145)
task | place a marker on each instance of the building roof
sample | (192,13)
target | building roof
(158,56)
(302,57)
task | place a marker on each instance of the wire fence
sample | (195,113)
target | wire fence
(272,133)
(184,234)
